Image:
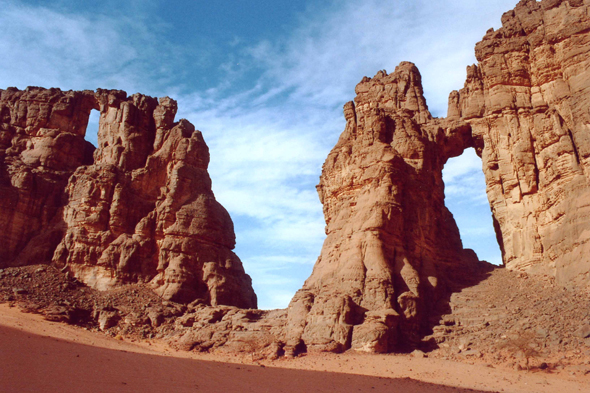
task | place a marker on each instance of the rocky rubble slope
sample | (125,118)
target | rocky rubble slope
(134,312)
(137,209)
(514,318)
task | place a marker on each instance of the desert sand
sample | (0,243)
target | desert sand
(43,356)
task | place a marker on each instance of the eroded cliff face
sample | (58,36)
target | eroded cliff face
(527,102)
(139,208)
(392,249)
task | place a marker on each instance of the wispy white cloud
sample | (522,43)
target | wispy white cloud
(458,167)
(276,275)
(464,179)
(266,161)
(48,48)
(57,46)
(466,198)
(336,46)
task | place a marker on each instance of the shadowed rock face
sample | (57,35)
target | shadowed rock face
(393,251)
(140,209)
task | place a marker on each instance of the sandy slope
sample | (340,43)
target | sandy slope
(41,356)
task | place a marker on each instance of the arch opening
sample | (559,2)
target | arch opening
(91,137)
(466,198)
(92,128)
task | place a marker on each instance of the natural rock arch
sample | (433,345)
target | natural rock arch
(393,251)
(138,208)
(527,104)
(91,134)
(466,199)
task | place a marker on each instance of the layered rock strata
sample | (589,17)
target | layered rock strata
(527,103)
(139,208)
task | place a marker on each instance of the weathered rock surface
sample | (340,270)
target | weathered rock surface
(527,102)
(392,250)
(41,144)
(140,209)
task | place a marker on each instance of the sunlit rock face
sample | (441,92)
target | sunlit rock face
(527,102)
(392,249)
(139,208)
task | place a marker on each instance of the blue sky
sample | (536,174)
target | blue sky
(265,81)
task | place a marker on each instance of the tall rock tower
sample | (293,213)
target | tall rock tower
(392,249)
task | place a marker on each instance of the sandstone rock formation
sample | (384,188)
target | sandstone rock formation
(392,249)
(527,103)
(140,209)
